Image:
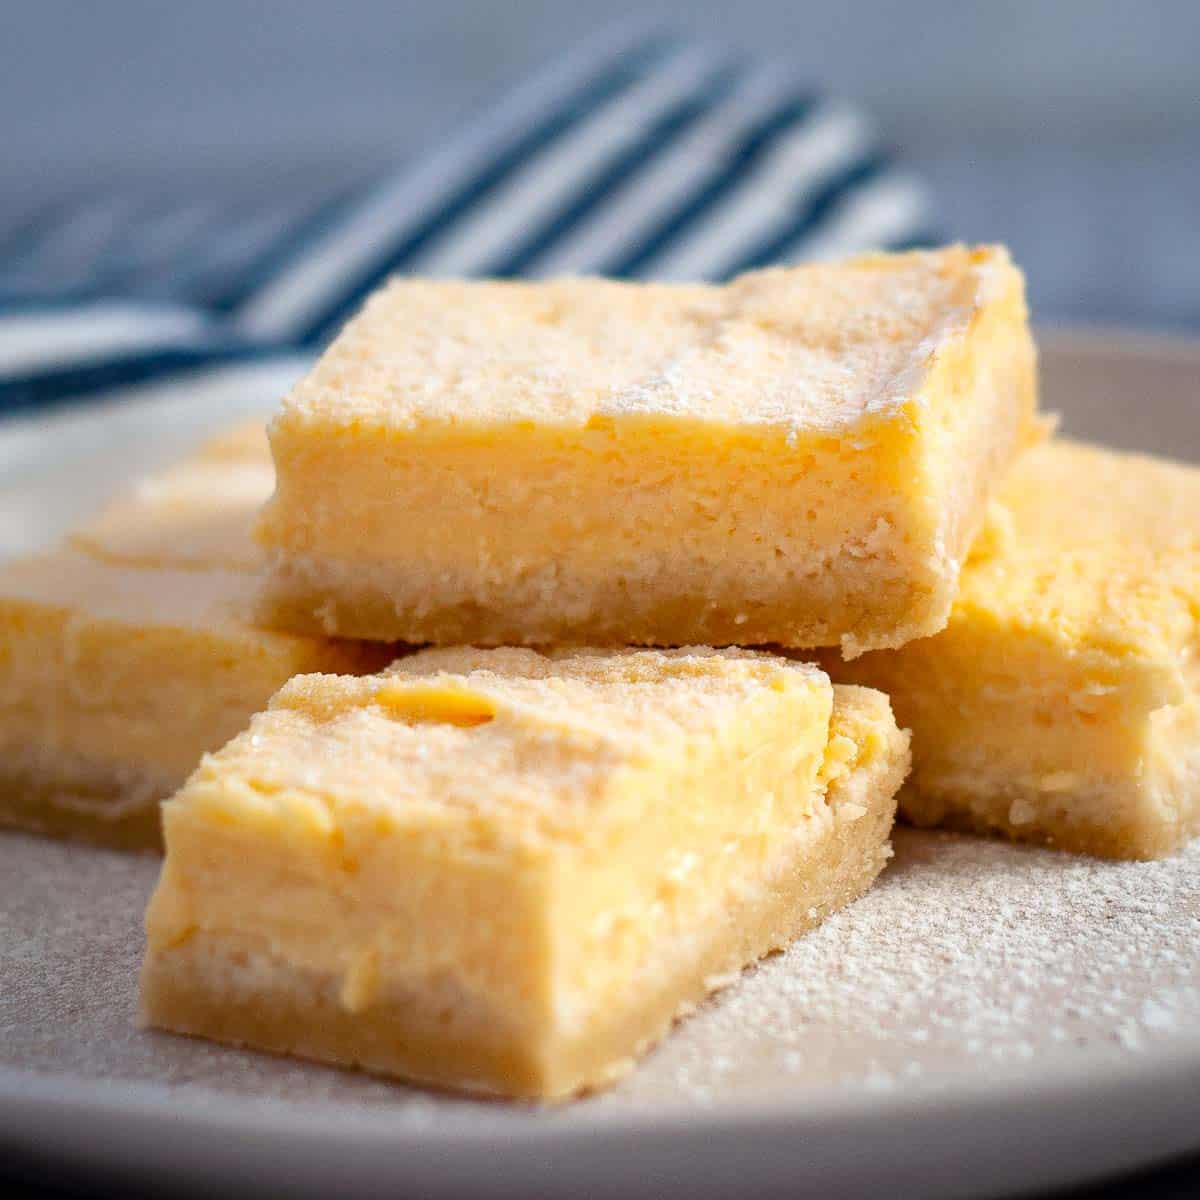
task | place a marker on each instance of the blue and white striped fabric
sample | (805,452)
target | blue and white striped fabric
(641,156)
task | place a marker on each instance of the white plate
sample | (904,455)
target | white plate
(989,1018)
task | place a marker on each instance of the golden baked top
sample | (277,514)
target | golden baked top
(1095,550)
(200,513)
(69,581)
(246,441)
(816,348)
(506,739)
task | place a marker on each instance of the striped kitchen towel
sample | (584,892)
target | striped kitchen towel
(640,155)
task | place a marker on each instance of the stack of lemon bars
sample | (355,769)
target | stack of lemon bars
(560,654)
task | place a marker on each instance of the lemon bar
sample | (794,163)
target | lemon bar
(245,441)
(198,514)
(130,650)
(503,872)
(799,457)
(1062,702)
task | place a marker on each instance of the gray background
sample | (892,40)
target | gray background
(1068,128)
